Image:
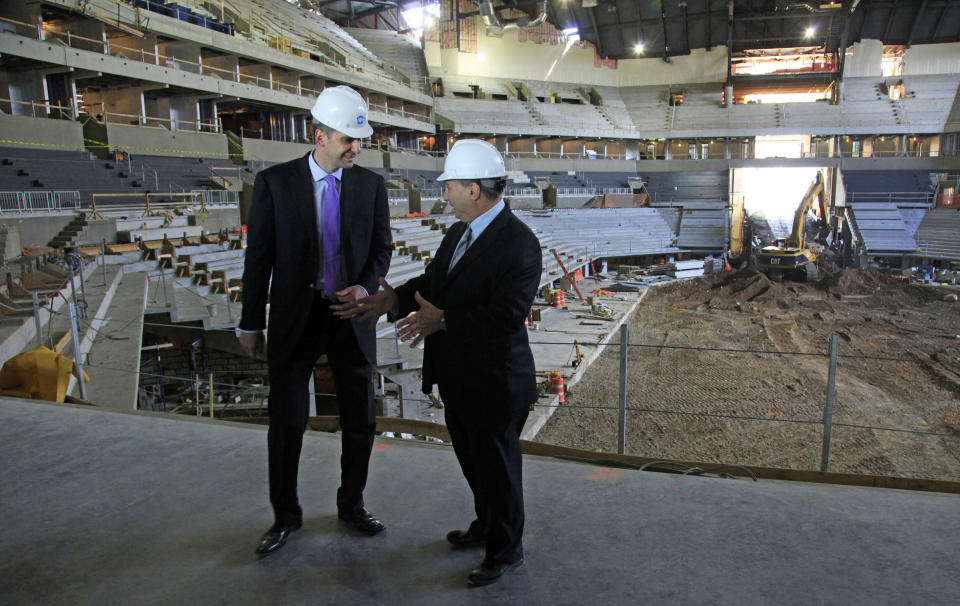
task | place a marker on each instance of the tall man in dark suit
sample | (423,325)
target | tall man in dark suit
(470,305)
(320,226)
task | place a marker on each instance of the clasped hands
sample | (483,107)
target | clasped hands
(416,326)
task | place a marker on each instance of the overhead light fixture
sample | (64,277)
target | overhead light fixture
(638,49)
(481,57)
(810,31)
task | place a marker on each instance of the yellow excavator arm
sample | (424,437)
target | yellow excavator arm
(814,193)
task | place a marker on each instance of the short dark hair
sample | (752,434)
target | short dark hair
(491,189)
(326,129)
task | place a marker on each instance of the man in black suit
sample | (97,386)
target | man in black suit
(320,227)
(470,306)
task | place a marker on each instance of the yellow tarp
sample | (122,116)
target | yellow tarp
(38,373)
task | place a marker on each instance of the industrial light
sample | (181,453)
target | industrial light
(572,34)
(638,49)
(481,57)
(810,31)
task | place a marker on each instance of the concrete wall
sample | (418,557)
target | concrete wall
(407,161)
(161,142)
(863,59)
(38,229)
(505,57)
(924,59)
(217,219)
(25,131)
(273,151)
(11,248)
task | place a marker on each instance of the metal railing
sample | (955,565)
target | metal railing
(217,196)
(909,196)
(43,31)
(576,191)
(32,201)
(397,195)
(525,192)
(44,107)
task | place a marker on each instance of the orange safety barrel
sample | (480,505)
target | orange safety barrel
(556,385)
(559,299)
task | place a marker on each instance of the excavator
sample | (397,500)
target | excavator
(791,257)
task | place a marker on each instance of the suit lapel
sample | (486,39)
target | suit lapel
(301,194)
(348,187)
(490,235)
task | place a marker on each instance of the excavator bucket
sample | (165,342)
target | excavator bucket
(38,373)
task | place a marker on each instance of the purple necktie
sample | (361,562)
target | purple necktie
(331,237)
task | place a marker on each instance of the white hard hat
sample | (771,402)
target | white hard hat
(473,159)
(342,108)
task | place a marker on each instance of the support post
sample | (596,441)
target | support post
(211,394)
(622,426)
(828,409)
(103,260)
(36,316)
(77,355)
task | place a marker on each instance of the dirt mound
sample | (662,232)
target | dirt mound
(859,282)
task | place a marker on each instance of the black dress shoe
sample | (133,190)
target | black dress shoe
(465,538)
(362,520)
(274,538)
(490,571)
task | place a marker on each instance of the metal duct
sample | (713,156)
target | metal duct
(493,21)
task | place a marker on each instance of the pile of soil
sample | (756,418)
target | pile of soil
(762,404)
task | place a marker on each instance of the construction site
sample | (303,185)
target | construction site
(734,368)
(745,333)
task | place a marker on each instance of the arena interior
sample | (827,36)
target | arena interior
(750,230)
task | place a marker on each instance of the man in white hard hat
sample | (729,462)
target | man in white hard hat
(469,306)
(318,234)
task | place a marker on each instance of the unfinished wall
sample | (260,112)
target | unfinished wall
(863,59)
(922,59)
(507,58)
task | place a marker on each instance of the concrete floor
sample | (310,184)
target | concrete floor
(107,507)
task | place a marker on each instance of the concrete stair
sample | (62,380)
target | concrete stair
(68,235)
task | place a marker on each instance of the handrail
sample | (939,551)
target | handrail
(45,104)
(31,201)
(143,121)
(42,31)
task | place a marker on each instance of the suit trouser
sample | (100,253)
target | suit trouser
(289,409)
(486,440)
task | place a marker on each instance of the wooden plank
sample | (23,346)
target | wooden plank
(426,428)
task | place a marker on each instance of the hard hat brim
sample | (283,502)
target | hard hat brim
(359,132)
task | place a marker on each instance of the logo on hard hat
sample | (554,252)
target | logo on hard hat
(360,120)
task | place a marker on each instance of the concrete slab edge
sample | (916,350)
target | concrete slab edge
(21,337)
(99,317)
(539,417)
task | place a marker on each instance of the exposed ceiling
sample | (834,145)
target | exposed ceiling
(675,27)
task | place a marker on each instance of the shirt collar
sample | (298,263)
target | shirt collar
(318,173)
(480,223)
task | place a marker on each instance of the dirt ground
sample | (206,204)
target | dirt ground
(897,390)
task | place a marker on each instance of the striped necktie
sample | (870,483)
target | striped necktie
(461,247)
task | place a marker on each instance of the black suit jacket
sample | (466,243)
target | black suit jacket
(282,243)
(485,299)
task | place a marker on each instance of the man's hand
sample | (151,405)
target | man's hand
(366,309)
(252,343)
(351,294)
(421,324)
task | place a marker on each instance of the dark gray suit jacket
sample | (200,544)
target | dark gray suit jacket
(282,242)
(485,299)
